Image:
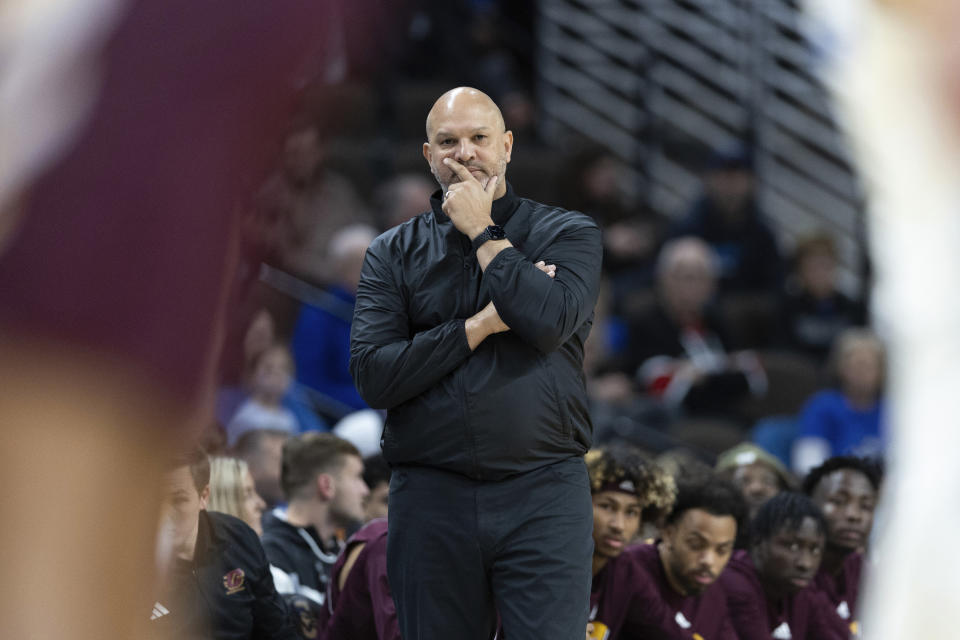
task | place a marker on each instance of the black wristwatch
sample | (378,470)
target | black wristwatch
(493,232)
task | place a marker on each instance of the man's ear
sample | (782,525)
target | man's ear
(325,486)
(204,497)
(426,152)
(667,532)
(508,144)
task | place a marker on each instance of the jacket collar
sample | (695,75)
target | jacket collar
(503,207)
(207,538)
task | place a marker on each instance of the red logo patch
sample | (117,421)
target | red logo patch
(233,581)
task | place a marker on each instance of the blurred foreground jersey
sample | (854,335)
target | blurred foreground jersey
(128,241)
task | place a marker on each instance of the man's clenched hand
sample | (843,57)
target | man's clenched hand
(467,202)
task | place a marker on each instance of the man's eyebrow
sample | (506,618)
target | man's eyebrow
(444,132)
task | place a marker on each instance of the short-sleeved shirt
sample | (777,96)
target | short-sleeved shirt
(632,597)
(363,609)
(805,615)
(843,589)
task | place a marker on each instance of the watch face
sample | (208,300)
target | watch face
(497,232)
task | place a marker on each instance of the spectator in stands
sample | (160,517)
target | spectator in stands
(360,603)
(846,489)
(259,336)
(593,182)
(272,376)
(262,450)
(813,311)
(217,579)
(232,492)
(321,340)
(321,201)
(766,586)
(679,349)
(322,479)
(727,217)
(376,474)
(757,474)
(849,418)
(402,198)
(624,486)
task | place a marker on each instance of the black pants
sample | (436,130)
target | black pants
(459,551)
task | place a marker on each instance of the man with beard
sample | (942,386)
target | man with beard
(624,486)
(767,587)
(469,329)
(845,488)
(322,479)
(675,596)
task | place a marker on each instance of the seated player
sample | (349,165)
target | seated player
(767,587)
(757,474)
(845,488)
(217,579)
(675,592)
(622,485)
(358,596)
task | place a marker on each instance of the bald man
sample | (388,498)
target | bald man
(469,329)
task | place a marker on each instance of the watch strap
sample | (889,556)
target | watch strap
(492,232)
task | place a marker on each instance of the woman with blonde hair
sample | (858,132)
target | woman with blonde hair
(232,492)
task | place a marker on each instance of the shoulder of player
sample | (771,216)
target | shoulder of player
(230,528)
(236,540)
(643,557)
(739,577)
(853,563)
(371,532)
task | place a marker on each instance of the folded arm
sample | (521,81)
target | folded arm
(388,365)
(545,311)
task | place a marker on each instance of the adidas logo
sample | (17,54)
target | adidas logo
(782,632)
(843,610)
(681,620)
(158,611)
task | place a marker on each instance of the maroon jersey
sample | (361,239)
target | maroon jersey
(128,242)
(633,599)
(611,594)
(363,609)
(806,615)
(843,589)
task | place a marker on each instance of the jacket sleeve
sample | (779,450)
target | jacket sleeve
(271,618)
(544,311)
(389,366)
